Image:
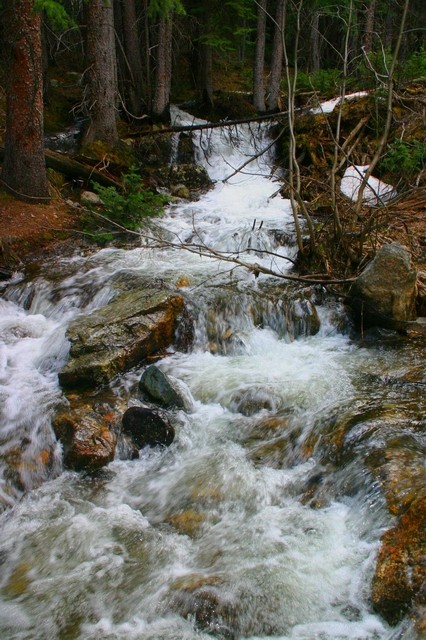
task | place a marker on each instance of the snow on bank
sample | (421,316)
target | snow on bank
(376,191)
(329,105)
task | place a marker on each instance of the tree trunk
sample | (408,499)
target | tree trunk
(161,101)
(315,43)
(134,76)
(273,100)
(101,73)
(24,168)
(369,26)
(259,58)
(146,56)
(205,75)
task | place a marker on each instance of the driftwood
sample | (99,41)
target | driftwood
(72,168)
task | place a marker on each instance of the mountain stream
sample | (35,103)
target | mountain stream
(217,535)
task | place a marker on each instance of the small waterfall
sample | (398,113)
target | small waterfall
(257,522)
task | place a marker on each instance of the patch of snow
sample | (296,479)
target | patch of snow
(329,105)
(375,192)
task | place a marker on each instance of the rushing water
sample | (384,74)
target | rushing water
(215,532)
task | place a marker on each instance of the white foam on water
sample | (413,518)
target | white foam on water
(102,557)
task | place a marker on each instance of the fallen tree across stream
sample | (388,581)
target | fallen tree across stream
(214,125)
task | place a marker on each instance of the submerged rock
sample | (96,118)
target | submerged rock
(122,334)
(88,444)
(385,292)
(147,427)
(188,522)
(252,401)
(201,598)
(158,387)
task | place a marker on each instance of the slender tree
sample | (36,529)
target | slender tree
(134,85)
(259,58)
(370,13)
(277,57)
(24,169)
(101,73)
(164,10)
(163,76)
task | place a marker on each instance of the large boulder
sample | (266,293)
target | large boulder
(110,340)
(385,293)
(88,444)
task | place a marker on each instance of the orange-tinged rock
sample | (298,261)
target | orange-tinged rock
(183,281)
(187,522)
(87,442)
(400,577)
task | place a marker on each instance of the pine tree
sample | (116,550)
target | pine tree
(24,169)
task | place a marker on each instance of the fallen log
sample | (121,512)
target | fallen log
(73,168)
(215,125)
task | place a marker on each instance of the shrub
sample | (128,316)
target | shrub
(325,81)
(128,208)
(375,69)
(415,67)
(405,159)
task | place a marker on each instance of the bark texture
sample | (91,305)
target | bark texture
(101,73)
(163,74)
(134,82)
(273,101)
(24,169)
(259,60)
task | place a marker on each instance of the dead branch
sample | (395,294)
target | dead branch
(203,250)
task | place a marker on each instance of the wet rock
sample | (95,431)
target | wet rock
(111,340)
(154,151)
(400,577)
(147,427)
(185,331)
(88,444)
(420,621)
(289,312)
(401,472)
(27,466)
(185,150)
(252,401)
(272,454)
(88,197)
(191,176)
(188,522)
(266,429)
(19,581)
(5,272)
(180,191)
(158,387)
(201,598)
(183,281)
(271,442)
(385,292)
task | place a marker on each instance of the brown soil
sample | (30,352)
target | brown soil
(28,230)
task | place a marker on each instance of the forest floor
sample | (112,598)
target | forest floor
(27,230)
